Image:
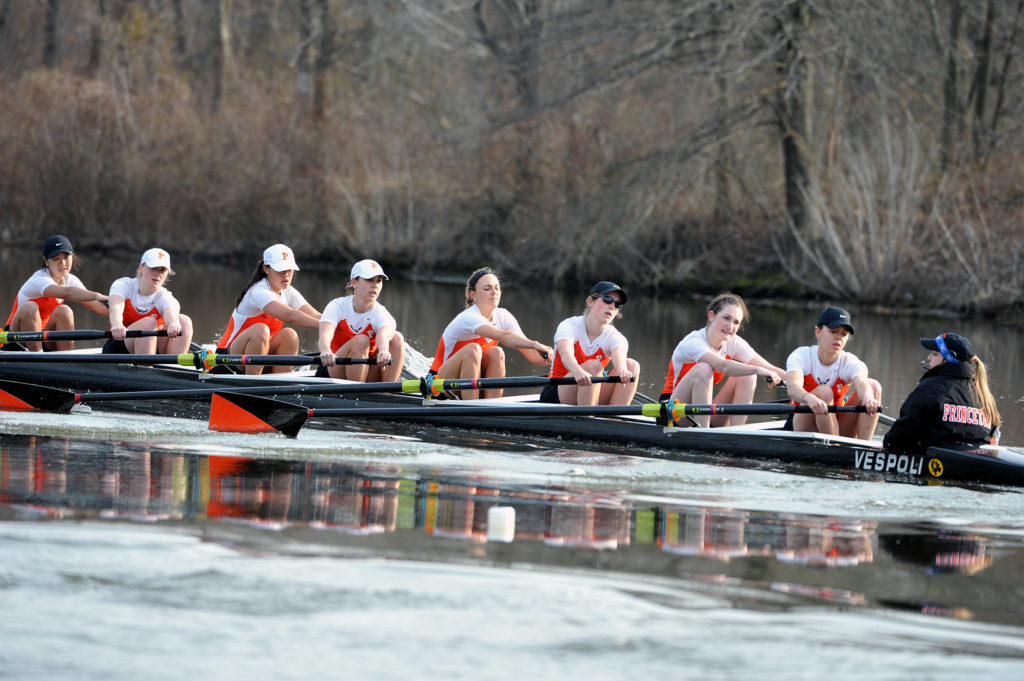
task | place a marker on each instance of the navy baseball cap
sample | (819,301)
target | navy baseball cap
(57,244)
(952,346)
(833,317)
(605,287)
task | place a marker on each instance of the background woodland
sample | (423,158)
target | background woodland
(860,151)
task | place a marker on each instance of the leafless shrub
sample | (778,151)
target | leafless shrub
(863,235)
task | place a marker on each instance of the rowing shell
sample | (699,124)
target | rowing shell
(642,436)
(129,377)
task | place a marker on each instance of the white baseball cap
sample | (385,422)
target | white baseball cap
(367,269)
(280,258)
(157,257)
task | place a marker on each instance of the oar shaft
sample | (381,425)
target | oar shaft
(417,386)
(197,359)
(82,334)
(654,410)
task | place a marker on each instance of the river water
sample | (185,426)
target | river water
(137,546)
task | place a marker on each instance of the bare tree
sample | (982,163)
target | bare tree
(96,39)
(50,33)
(211,51)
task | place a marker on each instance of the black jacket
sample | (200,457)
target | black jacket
(942,409)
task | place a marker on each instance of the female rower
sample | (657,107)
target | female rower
(264,306)
(469,345)
(142,303)
(585,344)
(952,402)
(359,326)
(705,356)
(822,375)
(40,305)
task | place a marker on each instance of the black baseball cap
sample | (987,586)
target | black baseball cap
(605,287)
(57,244)
(833,317)
(952,346)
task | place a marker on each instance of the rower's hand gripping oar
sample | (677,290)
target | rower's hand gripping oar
(884,419)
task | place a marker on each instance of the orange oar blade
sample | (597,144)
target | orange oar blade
(18,396)
(241,413)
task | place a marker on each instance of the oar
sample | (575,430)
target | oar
(31,396)
(201,360)
(235,412)
(81,334)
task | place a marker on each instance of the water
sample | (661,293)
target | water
(163,546)
(143,546)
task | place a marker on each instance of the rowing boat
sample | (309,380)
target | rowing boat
(87,377)
(635,435)
(760,441)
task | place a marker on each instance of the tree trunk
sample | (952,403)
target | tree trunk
(951,112)
(50,33)
(304,61)
(511,30)
(323,59)
(793,110)
(180,47)
(4,10)
(210,43)
(96,39)
(1004,77)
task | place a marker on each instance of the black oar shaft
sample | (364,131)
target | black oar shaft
(656,410)
(196,359)
(71,335)
(421,386)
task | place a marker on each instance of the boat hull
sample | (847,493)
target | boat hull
(638,436)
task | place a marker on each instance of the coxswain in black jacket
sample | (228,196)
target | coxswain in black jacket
(943,409)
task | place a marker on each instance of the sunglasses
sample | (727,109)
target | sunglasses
(608,300)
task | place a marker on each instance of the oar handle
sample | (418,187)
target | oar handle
(433,386)
(210,359)
(82,334)
(200,360)
(675,411)
(654,410)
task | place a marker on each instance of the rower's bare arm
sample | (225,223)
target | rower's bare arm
(511,339)
(795,386)
(116,311)
(774,374)
(729,367)
(323,343)
(74,294)
(172,320)
(564,348)
(863,387)
(621,365)
(98,306)
(384,336)
(305,317)
(535,356)
(116,317)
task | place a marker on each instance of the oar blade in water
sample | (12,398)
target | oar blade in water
(241,413)
(18,396)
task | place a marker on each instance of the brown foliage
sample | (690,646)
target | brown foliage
(640,141)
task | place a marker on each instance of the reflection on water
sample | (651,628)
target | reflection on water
(434,515)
